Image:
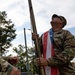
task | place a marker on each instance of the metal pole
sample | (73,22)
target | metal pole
(27,66)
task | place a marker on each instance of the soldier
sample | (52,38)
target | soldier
(6,68)
(58,48)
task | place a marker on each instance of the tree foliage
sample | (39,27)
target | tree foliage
(23,55)
(7,32)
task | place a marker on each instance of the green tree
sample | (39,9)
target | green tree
(21,52)
(7,32)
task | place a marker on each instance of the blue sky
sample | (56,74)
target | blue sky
(72,30)
(18,12)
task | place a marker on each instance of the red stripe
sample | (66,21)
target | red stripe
(45,44)
(54,70)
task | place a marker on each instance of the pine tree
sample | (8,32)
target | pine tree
(7,32)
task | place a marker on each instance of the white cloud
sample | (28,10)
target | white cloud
(18,12)
(4,4)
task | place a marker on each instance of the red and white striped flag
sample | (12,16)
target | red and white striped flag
(48,52)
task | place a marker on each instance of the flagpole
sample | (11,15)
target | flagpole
(36,41)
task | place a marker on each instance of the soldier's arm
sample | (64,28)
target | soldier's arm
(11,59)
(5,66)
(6,57)
(67,54)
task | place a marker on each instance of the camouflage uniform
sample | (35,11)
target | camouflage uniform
(64,47)
(5,67)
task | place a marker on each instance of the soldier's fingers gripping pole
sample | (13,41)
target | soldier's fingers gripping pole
(36,41)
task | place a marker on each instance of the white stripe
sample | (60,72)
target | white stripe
(48,54)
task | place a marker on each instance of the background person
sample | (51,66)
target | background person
(6,68)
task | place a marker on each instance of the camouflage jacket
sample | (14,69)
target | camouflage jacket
(5,67)
(64,47)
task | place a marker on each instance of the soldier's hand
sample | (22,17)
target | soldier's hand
(34,36)
(42,61)
(15,71)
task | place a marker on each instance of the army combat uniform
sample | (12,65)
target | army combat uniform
(5,67)
(64,48)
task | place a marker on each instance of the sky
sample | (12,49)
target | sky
(18,12)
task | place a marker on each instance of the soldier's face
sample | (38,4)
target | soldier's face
(56,24)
